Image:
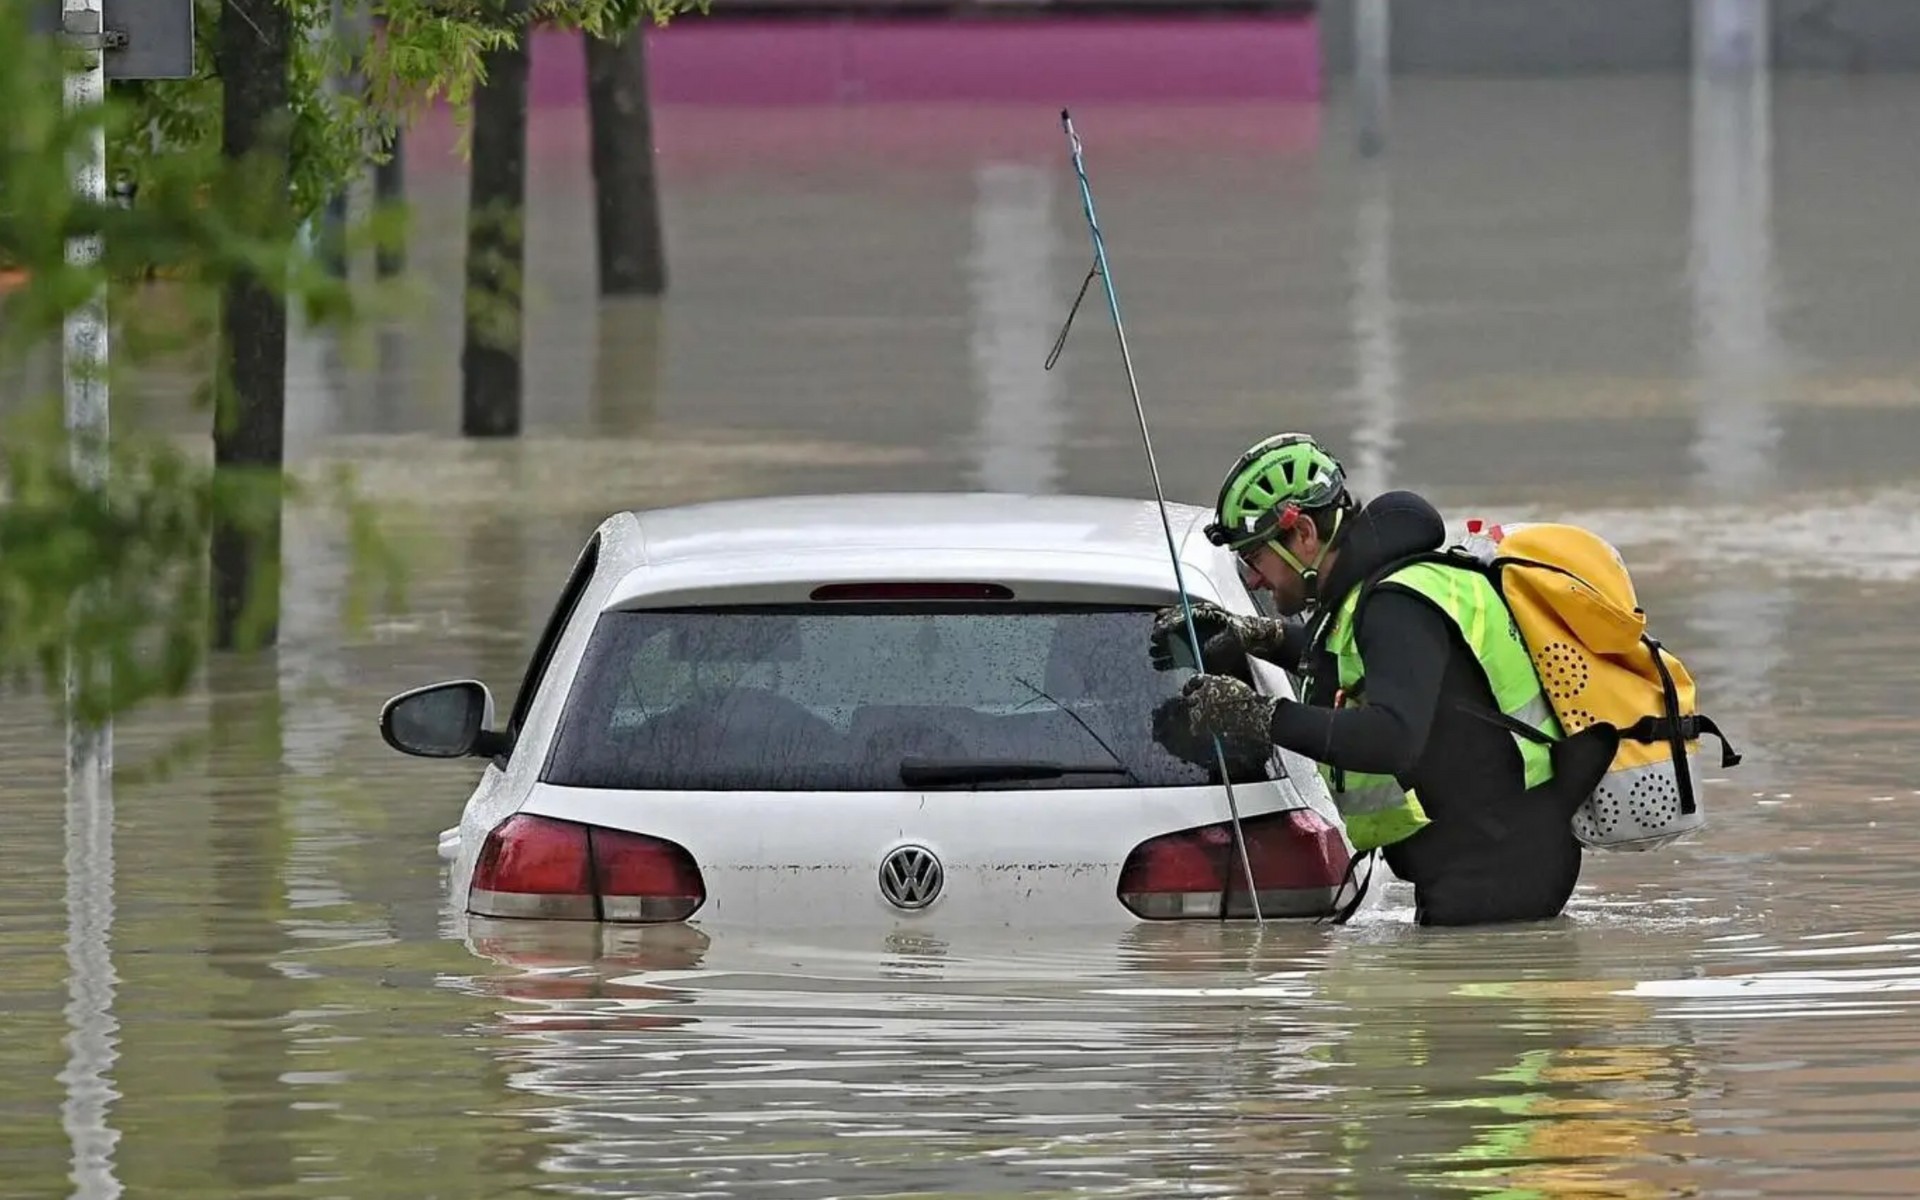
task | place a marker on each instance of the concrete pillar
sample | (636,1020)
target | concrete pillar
(1731,36)
(1016,308)
(1373,73)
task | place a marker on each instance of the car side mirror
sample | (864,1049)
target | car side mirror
(443,720)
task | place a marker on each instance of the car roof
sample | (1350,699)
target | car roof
(926,520)
(1101,540)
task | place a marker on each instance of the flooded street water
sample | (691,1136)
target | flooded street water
(1619,302)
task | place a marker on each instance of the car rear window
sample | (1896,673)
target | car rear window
(836,698)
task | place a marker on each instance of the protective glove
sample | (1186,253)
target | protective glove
(1226,639)
(1212,705)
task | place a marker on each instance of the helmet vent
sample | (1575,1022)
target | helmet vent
(1283,470)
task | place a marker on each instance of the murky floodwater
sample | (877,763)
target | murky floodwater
(1684,323)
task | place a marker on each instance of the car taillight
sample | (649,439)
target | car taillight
(534,867)
(560,870)
(644,878)
(1298,864)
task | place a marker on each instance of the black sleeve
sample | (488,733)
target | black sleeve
(1404,641)
(1294,646)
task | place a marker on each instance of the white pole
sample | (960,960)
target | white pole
(89,816)
(1372,72)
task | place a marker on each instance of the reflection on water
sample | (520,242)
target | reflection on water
(91,1039)
(1678,313)
(1175,1058)
(1742,372)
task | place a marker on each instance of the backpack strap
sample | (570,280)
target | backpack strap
(1674,729)
(1682,771)
(1323,630)
(1467,562)
(1344,913)
(1512,725)
(1657,729)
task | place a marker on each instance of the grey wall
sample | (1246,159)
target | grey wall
(1847,35)
(1524,37)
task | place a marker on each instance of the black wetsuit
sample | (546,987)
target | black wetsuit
(1493,852)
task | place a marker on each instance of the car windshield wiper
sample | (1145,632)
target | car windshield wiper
(915,771)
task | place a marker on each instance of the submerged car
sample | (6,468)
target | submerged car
(860,709)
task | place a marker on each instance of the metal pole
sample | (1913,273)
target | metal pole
(1372,72)
(89,816)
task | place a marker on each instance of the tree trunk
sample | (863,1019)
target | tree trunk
(389,187)
(250,410)
(333,235)
(626,196)
(346,30)
(496,203)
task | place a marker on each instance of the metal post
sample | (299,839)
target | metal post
(89,816)
(1372,72)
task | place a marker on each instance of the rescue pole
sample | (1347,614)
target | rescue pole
(1153,469)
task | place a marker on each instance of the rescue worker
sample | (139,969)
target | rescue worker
(1403,695)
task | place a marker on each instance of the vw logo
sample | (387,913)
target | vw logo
(911,877)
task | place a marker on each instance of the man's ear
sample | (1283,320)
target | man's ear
(1306,541)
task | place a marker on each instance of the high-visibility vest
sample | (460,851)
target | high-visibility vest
(1377,810)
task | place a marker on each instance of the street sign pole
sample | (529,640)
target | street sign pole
(90,974)
(85,349)
(119,39)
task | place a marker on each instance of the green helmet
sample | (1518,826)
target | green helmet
(1275,481)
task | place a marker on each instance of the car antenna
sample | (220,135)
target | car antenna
(1100,269)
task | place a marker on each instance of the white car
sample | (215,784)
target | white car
(867,710)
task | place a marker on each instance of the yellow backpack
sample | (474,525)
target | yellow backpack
(1575,606)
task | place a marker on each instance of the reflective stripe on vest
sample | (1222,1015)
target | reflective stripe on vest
(1375,809)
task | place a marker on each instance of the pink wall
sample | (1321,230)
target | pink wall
(701,144)
(1053,61)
